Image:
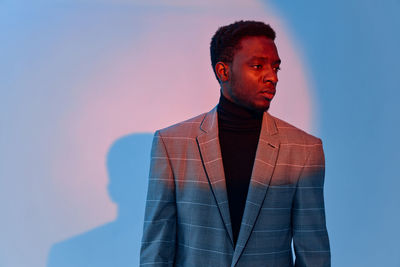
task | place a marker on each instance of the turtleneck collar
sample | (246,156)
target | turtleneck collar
(233,117)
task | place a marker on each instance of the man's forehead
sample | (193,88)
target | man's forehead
(257,46)
(258,39)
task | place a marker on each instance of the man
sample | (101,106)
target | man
(234,186)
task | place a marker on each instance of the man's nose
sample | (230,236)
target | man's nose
(270,76)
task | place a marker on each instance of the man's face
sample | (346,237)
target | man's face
(253,73)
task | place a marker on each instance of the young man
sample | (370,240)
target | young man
(234,186)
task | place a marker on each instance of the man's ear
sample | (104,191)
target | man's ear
(222,71)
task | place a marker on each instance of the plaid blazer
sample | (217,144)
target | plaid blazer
(187,220)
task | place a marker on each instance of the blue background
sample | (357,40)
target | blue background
(352,48)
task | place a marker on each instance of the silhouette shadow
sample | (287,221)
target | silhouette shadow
(116,243)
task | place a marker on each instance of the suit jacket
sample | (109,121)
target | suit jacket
(187,219)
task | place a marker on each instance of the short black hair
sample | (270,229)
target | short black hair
(225,41)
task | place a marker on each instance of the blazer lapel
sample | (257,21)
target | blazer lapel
(264,165)
(210,152)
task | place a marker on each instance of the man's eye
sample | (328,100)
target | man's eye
(257,66)
(276,69)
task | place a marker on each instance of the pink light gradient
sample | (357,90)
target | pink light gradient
(164,77)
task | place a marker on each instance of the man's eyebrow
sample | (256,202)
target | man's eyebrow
(264,59)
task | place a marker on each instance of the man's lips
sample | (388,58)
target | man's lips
(268,94)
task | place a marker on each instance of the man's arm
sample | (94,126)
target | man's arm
(310,237)
(159,230)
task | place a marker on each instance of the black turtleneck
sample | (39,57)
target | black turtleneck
(239,131)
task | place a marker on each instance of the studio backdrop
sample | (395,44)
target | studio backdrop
(84,84)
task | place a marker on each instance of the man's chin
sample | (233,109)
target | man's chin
(262,107)
(257,106)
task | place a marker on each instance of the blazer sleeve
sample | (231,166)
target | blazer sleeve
(159,230)
(310,236)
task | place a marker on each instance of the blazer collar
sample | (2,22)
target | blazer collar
(210,152)
(264,164)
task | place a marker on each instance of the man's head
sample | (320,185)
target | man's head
(245,61)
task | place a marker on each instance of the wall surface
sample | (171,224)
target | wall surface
(84,84)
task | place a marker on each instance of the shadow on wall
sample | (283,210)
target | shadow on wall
(116,243)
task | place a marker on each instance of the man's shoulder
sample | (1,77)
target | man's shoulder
(292,134)
(186,128)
